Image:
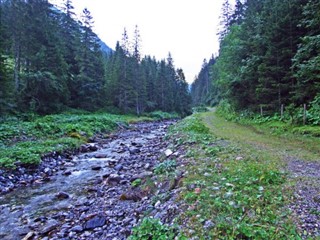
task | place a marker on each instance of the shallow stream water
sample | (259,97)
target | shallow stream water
(29,209)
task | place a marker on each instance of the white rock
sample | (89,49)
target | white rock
(168,152)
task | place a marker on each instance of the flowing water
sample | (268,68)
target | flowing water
(27,208)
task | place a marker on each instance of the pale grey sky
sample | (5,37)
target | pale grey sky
(186,28)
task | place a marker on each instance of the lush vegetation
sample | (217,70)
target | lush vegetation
(268,59)
(233,189)
(152,229)
(26,140)
(51,61)
(290,122)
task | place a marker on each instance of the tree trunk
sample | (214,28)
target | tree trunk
(17,64)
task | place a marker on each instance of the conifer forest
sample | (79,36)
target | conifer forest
(104,142)
(51,61)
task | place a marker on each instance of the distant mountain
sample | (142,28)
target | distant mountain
(104,47)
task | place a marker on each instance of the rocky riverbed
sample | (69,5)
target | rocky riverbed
(99,193)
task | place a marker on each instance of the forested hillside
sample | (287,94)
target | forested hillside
(269,57)
(50,61)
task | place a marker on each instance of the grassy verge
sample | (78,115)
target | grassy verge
(234,188)
(25,141)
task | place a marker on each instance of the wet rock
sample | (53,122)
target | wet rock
(22,231)
(118,167)
(135,195)
(66,173)
(93,147)
(134,150)
(51,225)
(83,148)
(62,195)
(29,236)
(96,167)
(97,221)
(47,171)
(147,166)
(46,179)
(100,155)
(77,229)
(168,152)
(143,175)
(114,179)
(106,174)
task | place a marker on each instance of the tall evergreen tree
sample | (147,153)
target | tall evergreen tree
(90,80)
(71,32)
(225,19)
(306,62)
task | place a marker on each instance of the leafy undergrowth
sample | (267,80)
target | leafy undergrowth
(25,141)
(230,192)
(151,228)
(163,115)
(275,124)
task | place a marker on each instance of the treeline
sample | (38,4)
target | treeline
(50,61)
(269,56)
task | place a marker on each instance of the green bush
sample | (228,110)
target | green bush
(200,109)
(163,115)
(314,112)
(165,167)
(226,110)
(152,229)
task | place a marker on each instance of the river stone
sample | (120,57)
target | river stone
(134,194)
(168,152)
(22,230)
(134,150)
(51,224)
(97,221)
(77,228)
(118,167)
(62,195)
(113,179)
(93,147)
(66,173)
(100,155)
(29,236)
(96,168)
(141,176)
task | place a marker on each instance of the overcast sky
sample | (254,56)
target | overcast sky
(185,28)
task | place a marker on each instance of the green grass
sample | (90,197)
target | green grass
(152,229)
(26,140)
(159,115)
(237,178)
(263,137)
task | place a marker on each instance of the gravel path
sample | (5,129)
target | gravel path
(306,204)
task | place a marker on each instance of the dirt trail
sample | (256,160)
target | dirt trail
(298,155)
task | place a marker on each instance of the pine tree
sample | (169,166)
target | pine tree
(71,32)
(306,61)
(226,19)
(44,83)
(6,89)
(90,80)
(139,80)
